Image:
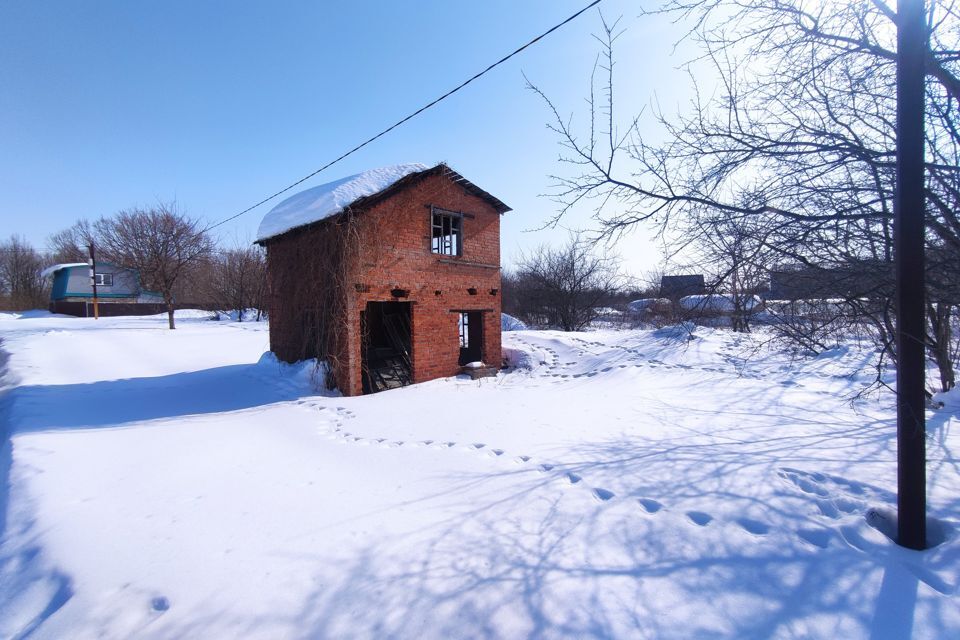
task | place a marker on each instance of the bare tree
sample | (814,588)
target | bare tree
(237,279)
(562,287)
(800,140)
(71,244)
(737,251)
(161,243)
(20,279)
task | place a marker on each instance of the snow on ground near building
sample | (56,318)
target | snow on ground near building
(178,484)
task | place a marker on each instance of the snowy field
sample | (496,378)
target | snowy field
(161,484)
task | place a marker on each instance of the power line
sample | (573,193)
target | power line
(409,117)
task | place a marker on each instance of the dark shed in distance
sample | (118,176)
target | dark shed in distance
(676,287)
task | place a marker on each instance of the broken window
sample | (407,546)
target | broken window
(447,232)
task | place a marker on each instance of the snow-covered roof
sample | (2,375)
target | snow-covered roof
(717,302)
(49,271)
(329,199)
(645,304)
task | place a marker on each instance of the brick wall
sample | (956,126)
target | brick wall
(394,236)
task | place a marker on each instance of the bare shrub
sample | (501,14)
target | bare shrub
(563,287)
(237,280)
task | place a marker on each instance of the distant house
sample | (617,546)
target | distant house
(676,287)
(866,279)
(943,274)
(860,279)
(118,291)
(391,276)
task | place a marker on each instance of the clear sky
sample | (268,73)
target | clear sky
(107,105)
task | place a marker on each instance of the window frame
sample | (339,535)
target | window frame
(103,279)
(441,245)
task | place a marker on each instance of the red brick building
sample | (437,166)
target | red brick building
(392,276)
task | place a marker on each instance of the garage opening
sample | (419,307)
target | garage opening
(385,350)
(471,336)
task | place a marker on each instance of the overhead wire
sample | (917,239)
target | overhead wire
(406,118)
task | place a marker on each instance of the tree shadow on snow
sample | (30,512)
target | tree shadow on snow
(589,577)
(678,546)
(525,554)
(803,564)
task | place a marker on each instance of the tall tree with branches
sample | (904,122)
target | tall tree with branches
(737,253)
(20,275)
(71,244)
(160,243)
(800,141)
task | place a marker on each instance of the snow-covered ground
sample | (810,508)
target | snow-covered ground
(162,484)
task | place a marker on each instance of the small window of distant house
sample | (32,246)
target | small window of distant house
(447,232)
(464,330)
(104,279)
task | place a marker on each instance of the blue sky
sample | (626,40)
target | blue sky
(106,105)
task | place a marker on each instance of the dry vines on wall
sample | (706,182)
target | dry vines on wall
(312,277)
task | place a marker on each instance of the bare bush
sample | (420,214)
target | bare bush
(563,287)
(237,280)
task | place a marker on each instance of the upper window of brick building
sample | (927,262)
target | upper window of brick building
(447,236)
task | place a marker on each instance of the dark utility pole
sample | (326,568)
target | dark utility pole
(93,281)
(909,242)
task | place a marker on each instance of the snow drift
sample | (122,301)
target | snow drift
(509,323)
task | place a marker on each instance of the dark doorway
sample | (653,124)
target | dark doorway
(385,350)
(470,327)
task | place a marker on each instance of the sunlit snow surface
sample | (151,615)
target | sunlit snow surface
(179,484)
